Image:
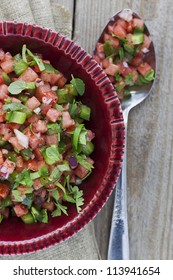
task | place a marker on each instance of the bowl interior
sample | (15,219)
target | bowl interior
(14,230)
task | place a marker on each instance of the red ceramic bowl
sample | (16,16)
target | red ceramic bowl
(106,121)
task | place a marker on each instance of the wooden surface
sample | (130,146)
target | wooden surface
(150,130)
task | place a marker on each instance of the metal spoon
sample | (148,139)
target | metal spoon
(119,241)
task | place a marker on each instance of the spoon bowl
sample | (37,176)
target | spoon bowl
(119,240)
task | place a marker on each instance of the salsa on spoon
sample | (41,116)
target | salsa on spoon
(126,53)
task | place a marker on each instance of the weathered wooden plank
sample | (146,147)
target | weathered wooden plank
(150,133)
(68,4)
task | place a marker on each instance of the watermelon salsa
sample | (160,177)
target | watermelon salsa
(45,146)
(122,53)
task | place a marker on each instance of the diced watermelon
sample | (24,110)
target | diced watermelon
(119,31)
(146,43)
(61,82)
(114,41)
(2,55)
(137,23)
(1,158)
(45,108)
(38,154)
(50,206)
(51,78)
(90,135)
(7,66)
(35,165)
(14,142)
(20,209)
(81,171)
(32,103)
(2,116)
(53,115)
(3,92)
(111,69)
(37,184)
(144,68)
(122,23)
(19,164)
(28,76)
(51,139)
(4,190)
(67,121)
(137,59)
(41,90)
(40,126)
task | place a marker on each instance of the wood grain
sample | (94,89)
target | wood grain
(150,132)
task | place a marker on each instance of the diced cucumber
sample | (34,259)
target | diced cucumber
(6,78)
(6,202)
(85,112)
(17,117)
(137,38)
(128,48)
(28,218)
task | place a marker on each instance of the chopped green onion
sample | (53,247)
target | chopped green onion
(26,154)
(76,134)
(28,218)
(17,117)
(85,112)
(20,67)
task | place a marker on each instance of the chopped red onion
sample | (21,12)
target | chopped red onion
(46,101)
(54,88)
(39,82)
(4,151)
(73,162)
(37,110)
(125,64)
(126,14)
(4,175)
(22,138)
(4,169)
(78,181)
(145,50)
(101,55)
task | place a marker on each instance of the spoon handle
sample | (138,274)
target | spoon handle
(119,241)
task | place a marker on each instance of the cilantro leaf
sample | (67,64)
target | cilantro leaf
(149,76)
(14,106)
(55,174)
(28,200)
(129,79)
(121,54)
(50,69)
(44,216)
(38,61)
(78,197)
(59,210)
(109,50)
(82,160)
(17,196)
(78,85)
(117,76)
(51,154)
(24,178)
(55,194)
(64,166)
(59,185)
(18,86)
